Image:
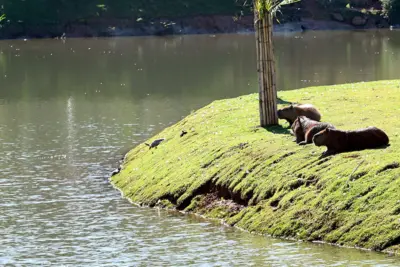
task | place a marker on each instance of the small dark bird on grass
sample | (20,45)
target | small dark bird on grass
(116,171)
(155,143)
(183,133)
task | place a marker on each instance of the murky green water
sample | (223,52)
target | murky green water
(68,110)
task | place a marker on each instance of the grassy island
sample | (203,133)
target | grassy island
(229,168)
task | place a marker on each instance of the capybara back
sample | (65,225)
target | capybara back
(338,141)
(293,111)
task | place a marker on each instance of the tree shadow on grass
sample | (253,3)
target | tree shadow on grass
(277,129)
(283,102)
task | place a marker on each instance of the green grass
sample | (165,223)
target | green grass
(349,199)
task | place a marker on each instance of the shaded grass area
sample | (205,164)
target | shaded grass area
(258,179)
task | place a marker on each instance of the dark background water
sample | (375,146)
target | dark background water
(69,110)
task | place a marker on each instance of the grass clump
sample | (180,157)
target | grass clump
(258,179)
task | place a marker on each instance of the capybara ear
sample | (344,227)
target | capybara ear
(328,130)
(291,106)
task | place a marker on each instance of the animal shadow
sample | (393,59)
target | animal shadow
(354,150)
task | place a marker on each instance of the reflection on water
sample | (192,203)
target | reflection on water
(69,110)
(322,58)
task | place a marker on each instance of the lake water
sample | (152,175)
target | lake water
(70,109)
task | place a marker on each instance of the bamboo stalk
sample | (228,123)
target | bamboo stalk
(258,56)
(271,71)
(268,84)
(275,93)
(264,78)
(265,68)
(268,67)
(262,81)
(261,69)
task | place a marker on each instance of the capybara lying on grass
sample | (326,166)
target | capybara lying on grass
(304,129)
(292,112)
(343,141)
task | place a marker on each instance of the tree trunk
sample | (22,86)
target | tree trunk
(266,69)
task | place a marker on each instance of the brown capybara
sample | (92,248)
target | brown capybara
(304,129)
(292,112)
(343,141)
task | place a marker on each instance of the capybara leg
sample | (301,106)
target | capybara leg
(308,139)
(298,140)
(328,153)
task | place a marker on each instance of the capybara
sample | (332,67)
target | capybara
(304,129)
(292,112)
(343,141)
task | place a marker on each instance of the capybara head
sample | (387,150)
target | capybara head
(297,126)
(322,138)
(286,112)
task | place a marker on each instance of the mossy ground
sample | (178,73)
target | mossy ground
(280,188)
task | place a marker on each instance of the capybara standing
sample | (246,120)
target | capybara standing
(343,141)
(304,129)
(292,112)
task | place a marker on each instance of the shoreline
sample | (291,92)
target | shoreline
(225,224)
(215,24)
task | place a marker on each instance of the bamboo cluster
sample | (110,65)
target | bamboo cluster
(266,69)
